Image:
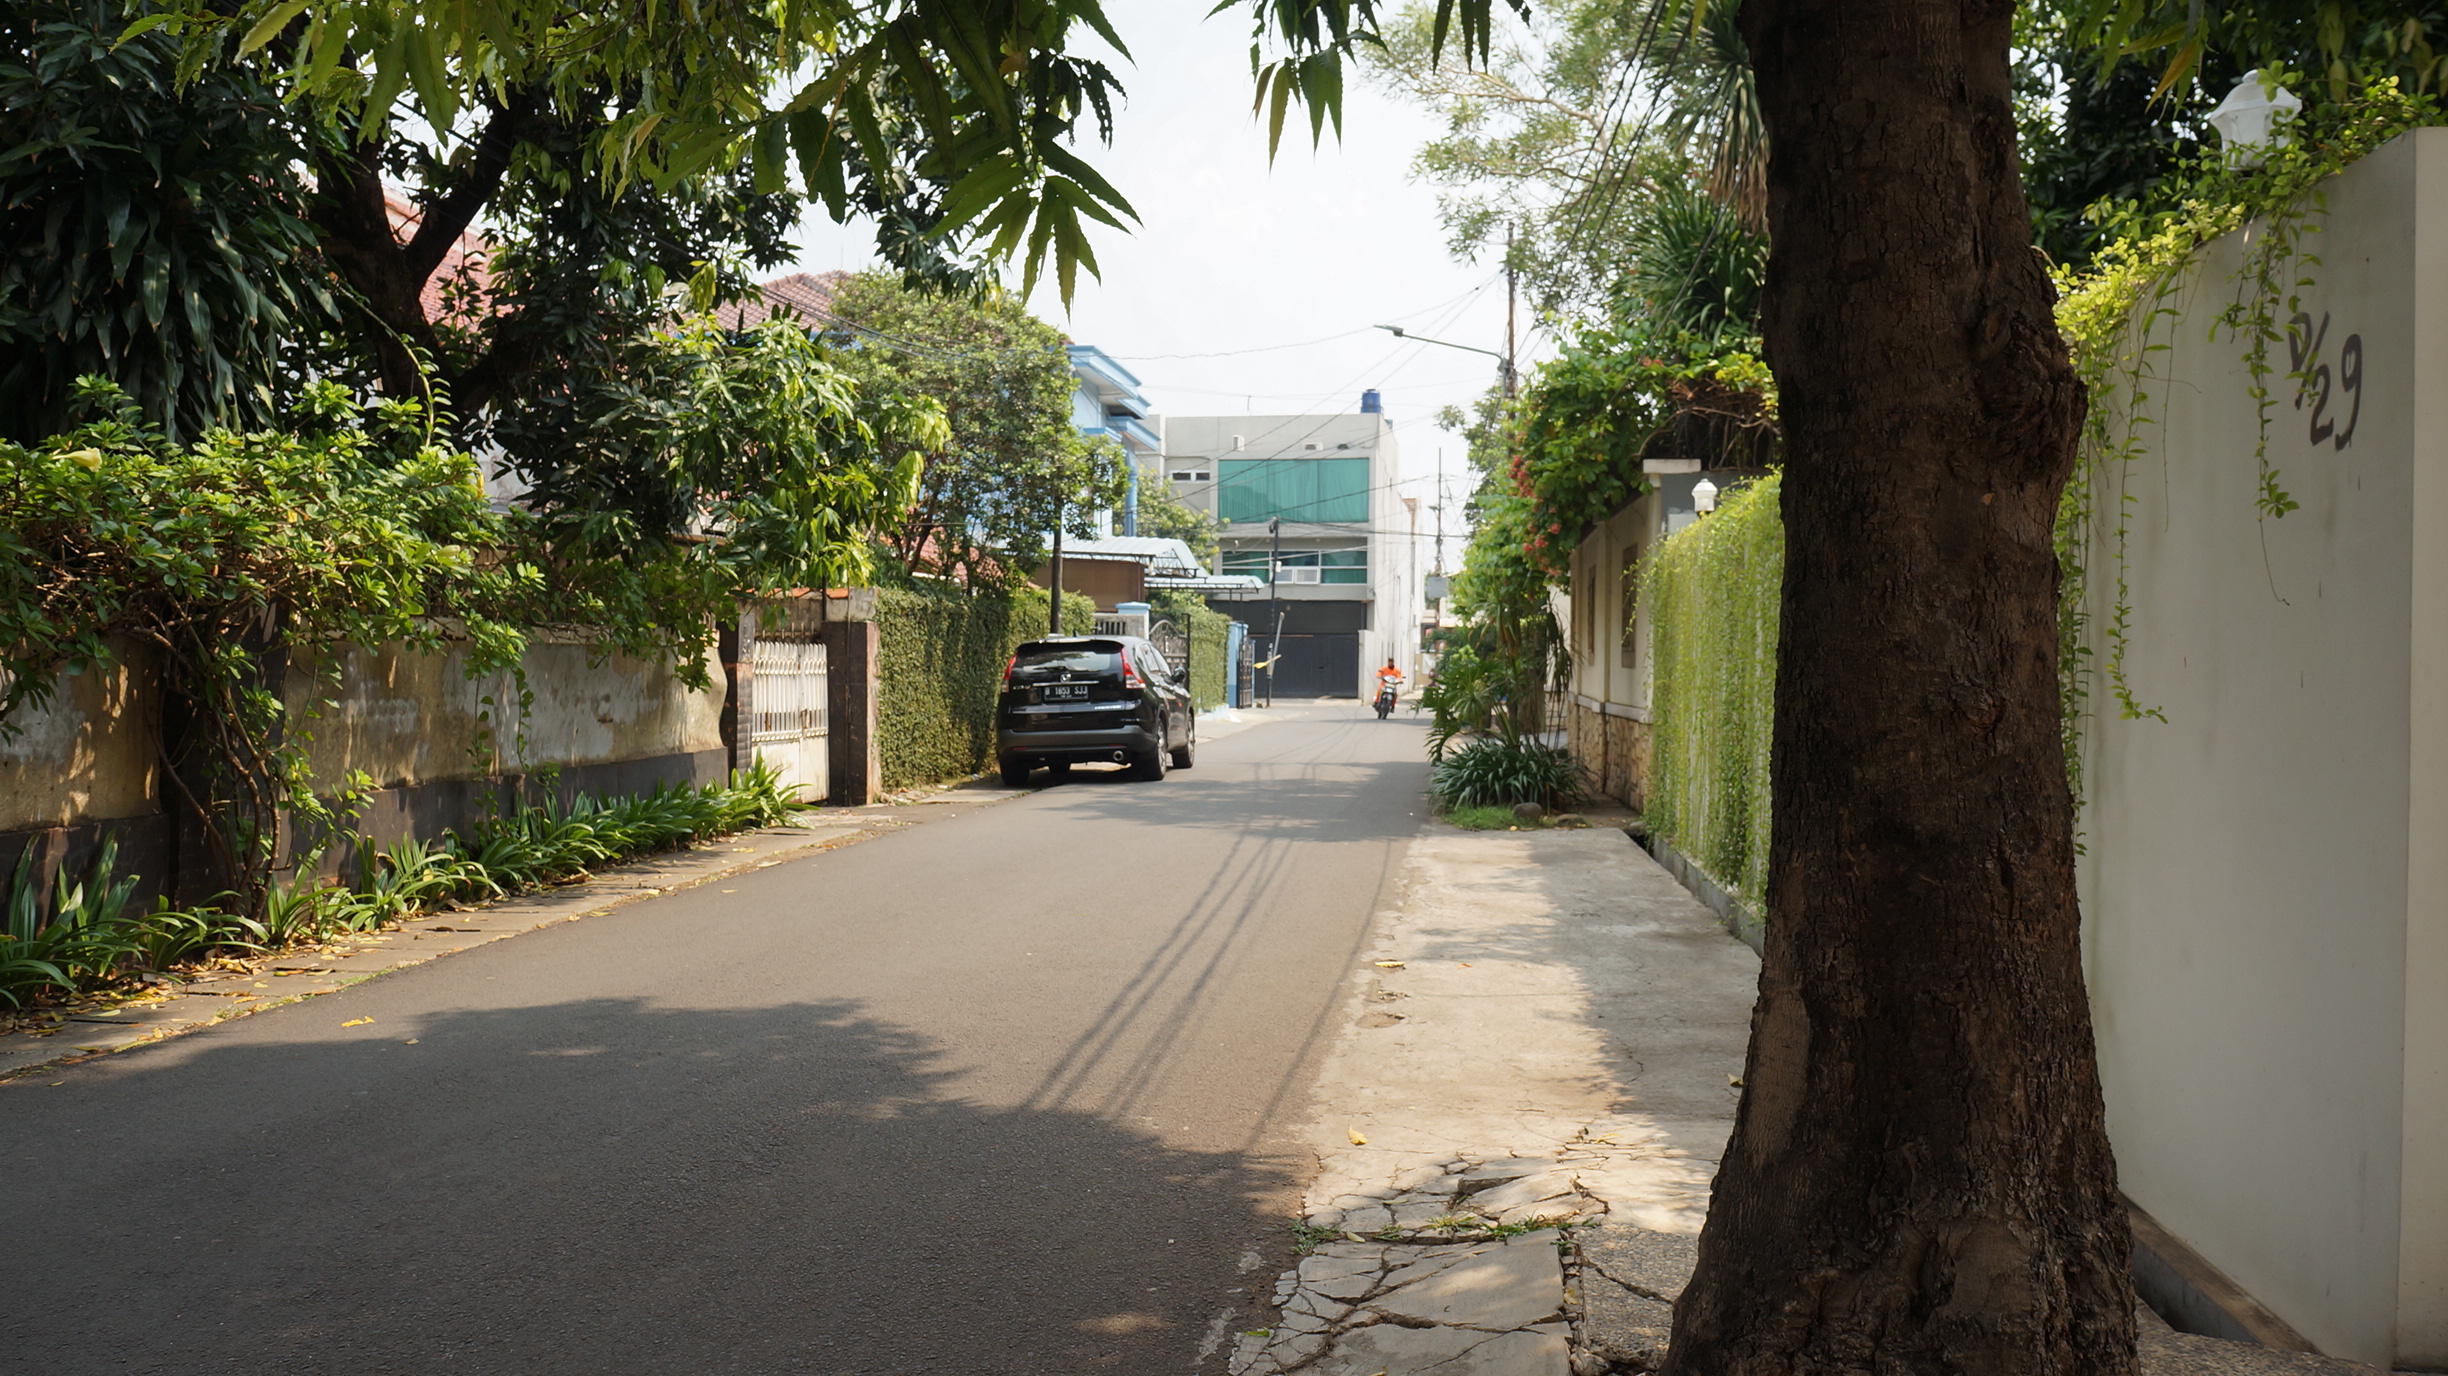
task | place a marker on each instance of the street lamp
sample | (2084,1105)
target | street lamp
(1704,496)
(2248,119)
(1505,358)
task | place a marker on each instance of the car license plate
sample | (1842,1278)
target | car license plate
(1065,692)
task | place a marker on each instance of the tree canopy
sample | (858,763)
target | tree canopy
(1012,464)
(152,235)
(957,116)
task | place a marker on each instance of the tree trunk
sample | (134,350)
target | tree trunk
(1919,1178)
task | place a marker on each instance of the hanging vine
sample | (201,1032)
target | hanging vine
(2116,318)
(1713,593)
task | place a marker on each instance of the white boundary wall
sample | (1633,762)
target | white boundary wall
(2266,875)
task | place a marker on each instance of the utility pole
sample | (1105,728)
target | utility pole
(1054,610)
(1508,358)
(1275,591)
(1436,605)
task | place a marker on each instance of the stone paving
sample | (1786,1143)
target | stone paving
(1541,1048)
(1399,1308)
(1517,1131)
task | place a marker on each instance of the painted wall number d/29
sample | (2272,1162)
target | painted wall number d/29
(2315,381)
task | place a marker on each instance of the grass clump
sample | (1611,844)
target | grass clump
(1493,771)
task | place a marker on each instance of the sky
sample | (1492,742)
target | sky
(1255,289)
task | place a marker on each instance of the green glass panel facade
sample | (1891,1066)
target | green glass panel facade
(1333,566)
(1295,489)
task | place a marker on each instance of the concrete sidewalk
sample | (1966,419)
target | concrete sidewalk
(1548,1033)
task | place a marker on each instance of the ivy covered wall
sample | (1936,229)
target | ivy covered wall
(940,654)
(1711,591)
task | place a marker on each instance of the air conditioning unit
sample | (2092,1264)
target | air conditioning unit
(1289,573)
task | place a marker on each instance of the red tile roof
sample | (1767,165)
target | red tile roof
(809,296)
(471,249)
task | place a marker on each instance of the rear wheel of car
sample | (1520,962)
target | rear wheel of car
(1152,764)
(1015,773)
(1187,751)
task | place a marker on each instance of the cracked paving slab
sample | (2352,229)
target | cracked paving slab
(1487,1307)
(1544,1035)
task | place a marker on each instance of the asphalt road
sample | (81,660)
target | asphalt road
(1010,1092)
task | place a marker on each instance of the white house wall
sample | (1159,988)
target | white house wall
(2265,873)
(1599,561)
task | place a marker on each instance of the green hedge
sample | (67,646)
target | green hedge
(1711,592)
(940,654)
(1208,631)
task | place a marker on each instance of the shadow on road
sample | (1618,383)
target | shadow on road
(589,1187)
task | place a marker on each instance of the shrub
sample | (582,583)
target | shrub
(1491,772)
(84,936)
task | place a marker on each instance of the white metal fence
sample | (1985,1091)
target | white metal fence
(788,689)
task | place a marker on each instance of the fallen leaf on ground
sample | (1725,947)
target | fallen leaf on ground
(356,1022)
(411,1042)
(1389,964)
(1356,1139)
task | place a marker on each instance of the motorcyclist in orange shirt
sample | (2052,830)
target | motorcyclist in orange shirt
(1389,686)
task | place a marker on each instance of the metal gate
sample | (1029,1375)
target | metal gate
(788,689)
(1173,643)
(1325,665)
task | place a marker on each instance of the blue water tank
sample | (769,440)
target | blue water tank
(1370,405)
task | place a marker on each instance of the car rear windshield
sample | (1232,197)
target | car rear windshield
(1086,657)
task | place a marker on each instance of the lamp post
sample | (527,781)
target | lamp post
(2249,119)
(1704,497)
(1504,358)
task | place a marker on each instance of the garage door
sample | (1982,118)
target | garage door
(1315,666)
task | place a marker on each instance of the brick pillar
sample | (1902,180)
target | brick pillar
(735,644)
(850,666)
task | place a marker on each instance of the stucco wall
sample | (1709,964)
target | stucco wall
(406,717)
(1607,716)
(1595,610)
(2258,897)
(86,755)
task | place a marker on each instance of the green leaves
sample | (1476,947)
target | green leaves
(1712,593)
(269,25)
(1314,81)
(150,234)
(978,104)
(1011,462)
(2343,44)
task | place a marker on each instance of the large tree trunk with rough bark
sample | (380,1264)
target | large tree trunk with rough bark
(1919,1179)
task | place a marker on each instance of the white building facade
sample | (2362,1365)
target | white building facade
(1309,505)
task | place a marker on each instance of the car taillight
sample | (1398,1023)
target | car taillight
(1130,674)
(1014,663)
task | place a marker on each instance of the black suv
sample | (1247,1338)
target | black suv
(1101,697)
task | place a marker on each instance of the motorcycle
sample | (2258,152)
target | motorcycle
(1385,701)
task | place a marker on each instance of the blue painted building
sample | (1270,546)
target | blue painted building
(1107,402)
